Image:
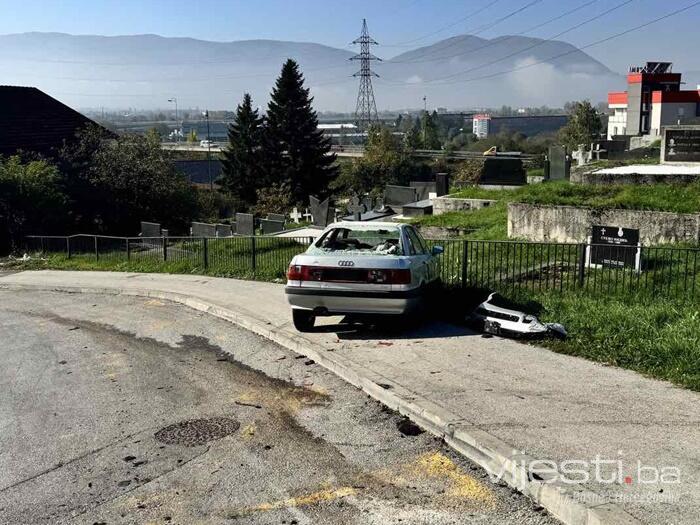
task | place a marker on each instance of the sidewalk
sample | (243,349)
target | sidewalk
(501,403)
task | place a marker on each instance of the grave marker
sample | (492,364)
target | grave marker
(557,163)
(356,208)
(270,226)
(245,224)
(295,215)
(150,229)
(614,247)
(681,144)
(320,211)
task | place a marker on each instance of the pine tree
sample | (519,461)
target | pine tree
(295,151)
(242,175)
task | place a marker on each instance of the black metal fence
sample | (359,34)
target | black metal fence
(507,266)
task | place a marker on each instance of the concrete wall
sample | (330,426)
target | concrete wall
(572,224)
(445,204)
(631,178)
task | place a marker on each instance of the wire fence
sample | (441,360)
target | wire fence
(507,266)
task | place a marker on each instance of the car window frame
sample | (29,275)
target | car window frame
(414,239)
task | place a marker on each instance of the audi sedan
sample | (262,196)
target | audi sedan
(362,268)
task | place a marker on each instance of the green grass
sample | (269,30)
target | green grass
(657,337)
(491,223)
(661,197)
(484,223)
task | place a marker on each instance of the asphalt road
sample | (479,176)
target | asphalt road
(127,410)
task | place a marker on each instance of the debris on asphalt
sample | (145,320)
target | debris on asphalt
(309,362)
(498,316)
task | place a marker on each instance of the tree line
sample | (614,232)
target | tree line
(282,156)
(100,184)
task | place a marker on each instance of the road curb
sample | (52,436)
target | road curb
(571,504)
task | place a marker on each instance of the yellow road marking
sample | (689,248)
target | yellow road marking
(301,501)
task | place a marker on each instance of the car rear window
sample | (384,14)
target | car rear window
(365,241)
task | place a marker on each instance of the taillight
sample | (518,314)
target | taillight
(400,277)
(299,272)
(295,272)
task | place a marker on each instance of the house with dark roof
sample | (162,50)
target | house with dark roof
(32,121)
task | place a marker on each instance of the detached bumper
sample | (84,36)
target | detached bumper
(354,301)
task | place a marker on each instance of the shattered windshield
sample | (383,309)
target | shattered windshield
(366,241)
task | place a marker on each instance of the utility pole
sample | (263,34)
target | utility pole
(425,116)
(211,182)
(366,109)
(177,131)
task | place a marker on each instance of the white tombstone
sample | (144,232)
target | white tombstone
(295,215)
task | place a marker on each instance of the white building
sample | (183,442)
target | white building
(480,125)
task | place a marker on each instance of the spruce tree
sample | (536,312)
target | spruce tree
(242,176)
(295,150)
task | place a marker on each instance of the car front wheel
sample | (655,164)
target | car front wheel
(303,320)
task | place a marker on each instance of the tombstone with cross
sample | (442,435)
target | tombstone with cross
(296,215)
(356,208)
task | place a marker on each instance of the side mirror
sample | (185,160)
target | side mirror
(437,250)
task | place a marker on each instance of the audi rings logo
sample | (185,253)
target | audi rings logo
(346,263)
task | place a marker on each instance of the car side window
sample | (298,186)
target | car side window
(415,246)
(422,242)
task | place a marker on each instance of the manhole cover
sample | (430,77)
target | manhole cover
(197,431)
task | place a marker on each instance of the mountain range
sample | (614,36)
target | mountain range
(143,71)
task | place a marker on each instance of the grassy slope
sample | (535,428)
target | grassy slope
(659,338)
(490,223)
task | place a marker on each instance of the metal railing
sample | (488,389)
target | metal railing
(507,266)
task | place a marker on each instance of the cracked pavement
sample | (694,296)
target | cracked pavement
(129,410)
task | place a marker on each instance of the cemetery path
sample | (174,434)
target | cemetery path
(503,404)
(121,409)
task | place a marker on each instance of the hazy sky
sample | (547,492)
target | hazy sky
(398,25)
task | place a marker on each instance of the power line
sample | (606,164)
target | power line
(479,30)
(572,51)
(536,44)
(470,15)
(499,41)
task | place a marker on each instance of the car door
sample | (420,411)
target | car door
(418,251)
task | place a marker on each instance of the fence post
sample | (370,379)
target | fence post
(42,244)
(68,247)
(165,249)
(582,264)
(205,252)
(128,250)
(97,252)
(252,246)
(465,255)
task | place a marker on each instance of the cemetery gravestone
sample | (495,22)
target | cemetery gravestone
(399,195)
(503,172)
(201,229)
(356,208)
(320,211)
(681,144)
(614,247)
(279,217)
(150,229)
(557,163)
(224,230)
(442,184)
(245,224)
(423,189)
(295,215)
(269,226)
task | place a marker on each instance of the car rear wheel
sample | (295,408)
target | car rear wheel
(303,320)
